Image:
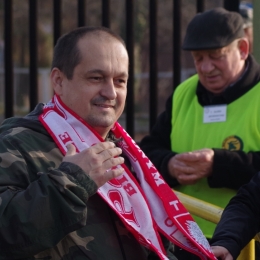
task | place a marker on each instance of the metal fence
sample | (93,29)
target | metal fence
(129,38)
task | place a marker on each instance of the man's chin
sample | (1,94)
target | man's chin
(214,88)
(101,122)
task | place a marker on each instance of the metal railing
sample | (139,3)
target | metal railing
(105,17)
(212,213)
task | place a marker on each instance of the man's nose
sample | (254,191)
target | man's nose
(207,66)
(108,89)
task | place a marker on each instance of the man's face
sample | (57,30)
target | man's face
(97,91)
(218,68)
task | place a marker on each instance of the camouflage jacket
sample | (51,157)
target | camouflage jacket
(49,209)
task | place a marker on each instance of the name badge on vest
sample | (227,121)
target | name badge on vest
(215,114)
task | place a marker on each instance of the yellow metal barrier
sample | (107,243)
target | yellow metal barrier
(212,213)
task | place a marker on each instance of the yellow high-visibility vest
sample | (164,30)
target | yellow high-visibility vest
(240,131)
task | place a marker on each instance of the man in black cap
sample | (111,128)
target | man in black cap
(205,142)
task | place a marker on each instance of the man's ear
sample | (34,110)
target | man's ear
(56,78)
(243,46)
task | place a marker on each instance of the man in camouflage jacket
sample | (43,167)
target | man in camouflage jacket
(49,208)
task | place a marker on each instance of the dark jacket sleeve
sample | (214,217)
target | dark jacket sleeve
(157,145)
(232,169)
(240,221)
(38,208)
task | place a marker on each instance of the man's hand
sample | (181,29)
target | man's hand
(99,161)
(190,167)
(221,253)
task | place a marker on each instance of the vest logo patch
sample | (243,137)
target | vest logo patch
(233,143)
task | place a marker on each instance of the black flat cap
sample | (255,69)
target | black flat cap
(213,29)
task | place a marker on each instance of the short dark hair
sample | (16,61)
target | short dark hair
(67,55)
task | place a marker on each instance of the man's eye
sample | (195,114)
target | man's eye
(120,81)
(96,78)
(198,59)
(216,57)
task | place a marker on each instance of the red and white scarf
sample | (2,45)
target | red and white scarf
(146,208)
